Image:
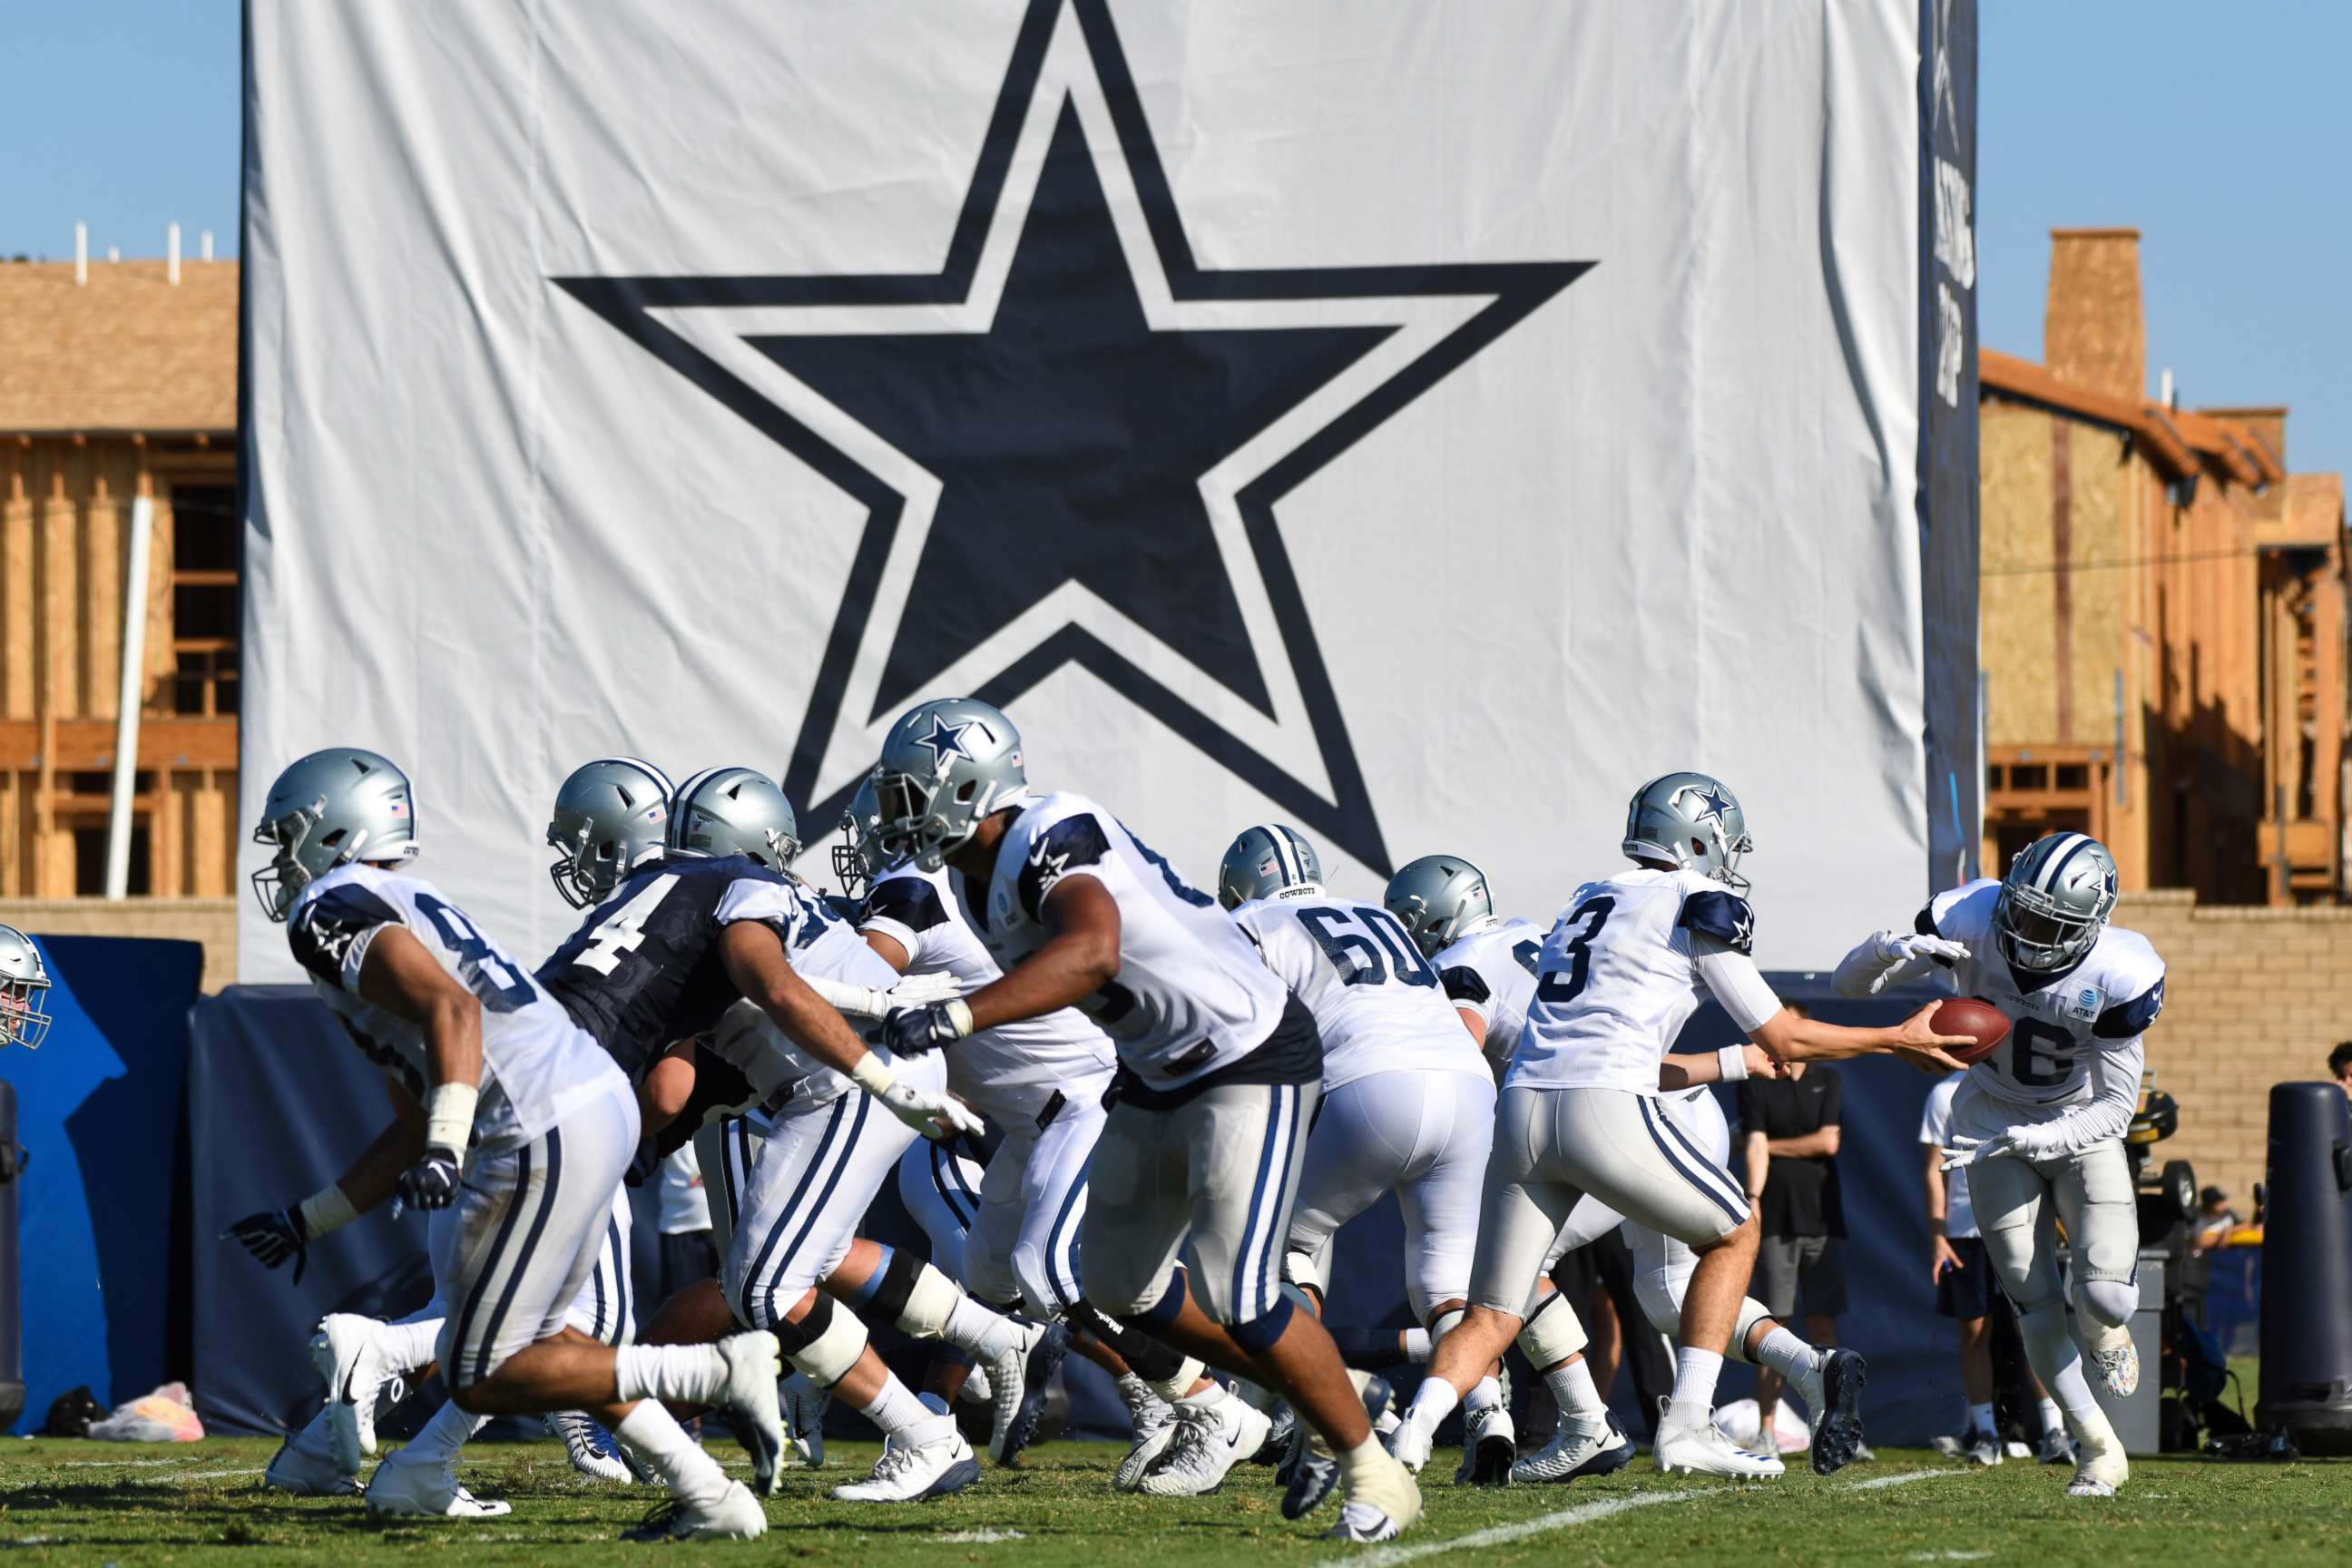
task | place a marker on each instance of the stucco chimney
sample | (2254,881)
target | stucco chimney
(2092,332)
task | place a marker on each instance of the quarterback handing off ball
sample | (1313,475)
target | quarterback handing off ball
(1980,1021)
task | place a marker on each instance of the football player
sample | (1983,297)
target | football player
(1219,1069)
(1407,1106)
(2042,1119)
(516,1132)
(1619,974)
(674,952)
(23,985)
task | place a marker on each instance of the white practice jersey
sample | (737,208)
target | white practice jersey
(1189,997)
(538,1066)
(2058,1024)
(917,909)
(748,1040)
(1492,973)
(1376,1001)
(1936,1126)
(1619,977)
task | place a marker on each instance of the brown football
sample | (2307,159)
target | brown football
(1980,1021)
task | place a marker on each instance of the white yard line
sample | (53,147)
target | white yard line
(1567,1518)
(126,1464)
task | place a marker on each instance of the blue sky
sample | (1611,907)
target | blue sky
(2221,132)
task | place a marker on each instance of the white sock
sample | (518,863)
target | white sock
(895,1409)
(1787,1354)
(1579,1402)
(442,1437)
(2049,1351)
(1980,1416)
(1695,1377)
(2052,1420)
(1416,1346)
(974,1329)
(409,1345)
(1432,1403)
(1484,1394)
(653,1435)
(674,1375)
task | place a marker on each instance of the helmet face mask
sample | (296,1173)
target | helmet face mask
(23,986)
(328,809)
(1269,861)
(1439,900)
(946,766)
(2054,901)
(863,854)
(1691,822)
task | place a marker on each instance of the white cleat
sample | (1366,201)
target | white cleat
(1020,1377)
(735,1515)
(308,1475)
(590,1449)
(351,1366)
(2100,1467)
(976,1389)
(1214,1432)
(1699,1448)
(1155,1428)
(926,1460)
(754,1367)
(2117,1359)
(1983,1449)
(1490,1447)
(1379,1506)
(803,1404)
(1573,1454)
(2055,1447)
(1409,1445)
(418,1492)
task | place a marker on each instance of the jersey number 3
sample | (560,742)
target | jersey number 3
(1558,986)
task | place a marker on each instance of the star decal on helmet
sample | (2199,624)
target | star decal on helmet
(1715,804)
(945,740)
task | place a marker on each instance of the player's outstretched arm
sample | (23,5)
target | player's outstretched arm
(1892,958)
(1689,1069)
(1794,1040)
(755,960)
(1078,960)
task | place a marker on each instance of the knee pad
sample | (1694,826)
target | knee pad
(1257,1336)
(1298,1268)
(2111,1302)
(1751,1313)
(917,1296)
(825,1343)
(1553,1335)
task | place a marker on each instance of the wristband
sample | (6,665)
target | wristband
(324,1210)
(1732,1061)
(449,1116)
(852,1001)
(872,1076)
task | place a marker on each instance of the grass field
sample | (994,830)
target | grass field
(96,1504)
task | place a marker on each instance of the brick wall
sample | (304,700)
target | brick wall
(212,922)
(2253,996)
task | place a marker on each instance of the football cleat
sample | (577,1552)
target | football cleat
(1277,1449)
(2055,1447)
(1490,1447)
(1699,1448)
(804,1405)
(1310,1473)
(308,1475)
(2117,1359)
(589,1446)
(1381,1505)
(1832,1392)
(345,1354)
(1155,1427)
(422,1491)
(929,1459)
(2100,1466)
(1573,1454)
(754,1367)
(1020,1377)
(1982,1447)
(1214,1431)
(976,1389)
(735,1515)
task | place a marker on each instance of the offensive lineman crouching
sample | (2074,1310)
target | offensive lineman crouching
(1218,1067)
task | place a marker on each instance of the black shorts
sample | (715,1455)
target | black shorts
(1966,1291)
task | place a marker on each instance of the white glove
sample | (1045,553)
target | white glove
(1966,1151)
(935,1116)
(1905,948)
(917,990)
(866,1003)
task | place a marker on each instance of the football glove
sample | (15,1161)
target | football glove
(1904,949)
(272,1237)
(1966,1151)
(911,1031)
(432,1182)
(934,1115)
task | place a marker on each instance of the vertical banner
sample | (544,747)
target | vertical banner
(1948,438)
(1416,424)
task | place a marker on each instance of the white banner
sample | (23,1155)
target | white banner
(1417,422)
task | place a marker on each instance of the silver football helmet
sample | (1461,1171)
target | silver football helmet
(2053,903)
(1691,821)
(1269,861)
(734,811)
(24,985)
(946,765)
(863,854)
(327,810)
(1440,900)
(609,814)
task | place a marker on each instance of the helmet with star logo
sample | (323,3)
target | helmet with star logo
(946,765)
(1690,821)
(1269,861)
(24,982)
(2057,895)
(734,811)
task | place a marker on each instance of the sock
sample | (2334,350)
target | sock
(933,1403)
(1432,1403)
(1572,1390)
(2050,1349)
(438,1442)
(1980,1416)
(972,1326)
(311,1440)
(409,1345)
(1787,1354)
(1694,1375)
(1365,1459)
(1485,1393)
(895,1410)
(1179,1383)
(1262,1399)
(2052,1419)
(674,1375)
(1416,1346)
(653,1435)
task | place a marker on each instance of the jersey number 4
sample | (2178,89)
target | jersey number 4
(1360,958)
(1558,985)
(625,929)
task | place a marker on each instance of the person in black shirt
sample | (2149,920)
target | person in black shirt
(1790,1129)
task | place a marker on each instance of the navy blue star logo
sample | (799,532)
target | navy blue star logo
(1070,446)
(945,740)
(1713,803)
